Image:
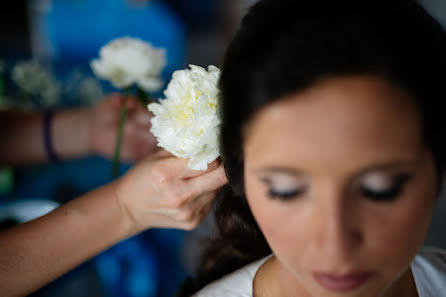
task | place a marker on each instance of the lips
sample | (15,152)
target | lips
(342,283)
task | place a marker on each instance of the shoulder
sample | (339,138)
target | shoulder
(236,284)
(429,270)
(431,259)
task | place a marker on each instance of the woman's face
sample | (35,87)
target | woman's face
(342,186)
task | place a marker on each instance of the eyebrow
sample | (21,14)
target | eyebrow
(282,170)
(390,165)
(378,167)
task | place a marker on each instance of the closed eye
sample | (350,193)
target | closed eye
(389,193)
(284,187)
(285,194)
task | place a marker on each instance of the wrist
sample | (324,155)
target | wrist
(72,130)
(98,212)
(129,223)
(47,123)
(88,115)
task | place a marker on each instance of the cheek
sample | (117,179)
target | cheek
(280,222)
(398,233)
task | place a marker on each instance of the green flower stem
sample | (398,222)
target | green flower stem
(117,154)
(143,97)
(116,157)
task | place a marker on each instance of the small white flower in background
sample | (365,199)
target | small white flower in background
(34,79)
(127,61)
(83,87)
(90,91)
(187,122)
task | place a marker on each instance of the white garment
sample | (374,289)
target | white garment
(428,268)
(429,271)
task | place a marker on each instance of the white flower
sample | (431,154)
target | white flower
(127,61)
(187,122)
(35,80)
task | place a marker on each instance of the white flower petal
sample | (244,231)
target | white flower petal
(127,61)
(187,122)
(150,84)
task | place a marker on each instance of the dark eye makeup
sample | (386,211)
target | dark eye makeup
(286,191)
(389,193)
(285,195)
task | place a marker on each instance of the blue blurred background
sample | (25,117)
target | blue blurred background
(67,34)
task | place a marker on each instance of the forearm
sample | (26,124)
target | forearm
(22,136)
(71,133)
(37,252)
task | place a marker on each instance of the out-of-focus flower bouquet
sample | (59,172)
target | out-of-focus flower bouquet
(133,66)
(33,85)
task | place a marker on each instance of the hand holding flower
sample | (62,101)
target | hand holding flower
(103,121)
(163,192)
(130,64)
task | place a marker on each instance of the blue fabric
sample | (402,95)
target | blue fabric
(63,181)
(129,269)
(143,266)
(78,29)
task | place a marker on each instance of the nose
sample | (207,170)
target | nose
(338,234)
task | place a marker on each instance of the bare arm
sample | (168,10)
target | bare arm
(158,193)
(76,133)
(39,251)
(22,136)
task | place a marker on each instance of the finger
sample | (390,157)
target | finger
(171,166)
(148,144)
(207,182)
(115,100)
(193,213)
(156,157)
(131,102)
(163,154)
(190,209)
(142,117)
(189,173)
(202,200)
(201,211)
(205,211)
(188,216)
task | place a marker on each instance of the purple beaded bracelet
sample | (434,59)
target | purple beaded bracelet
(47,120)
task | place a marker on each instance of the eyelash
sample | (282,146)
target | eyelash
(389,194)
(287,195)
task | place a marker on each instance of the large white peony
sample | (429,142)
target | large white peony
(187,122)
(127,61)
